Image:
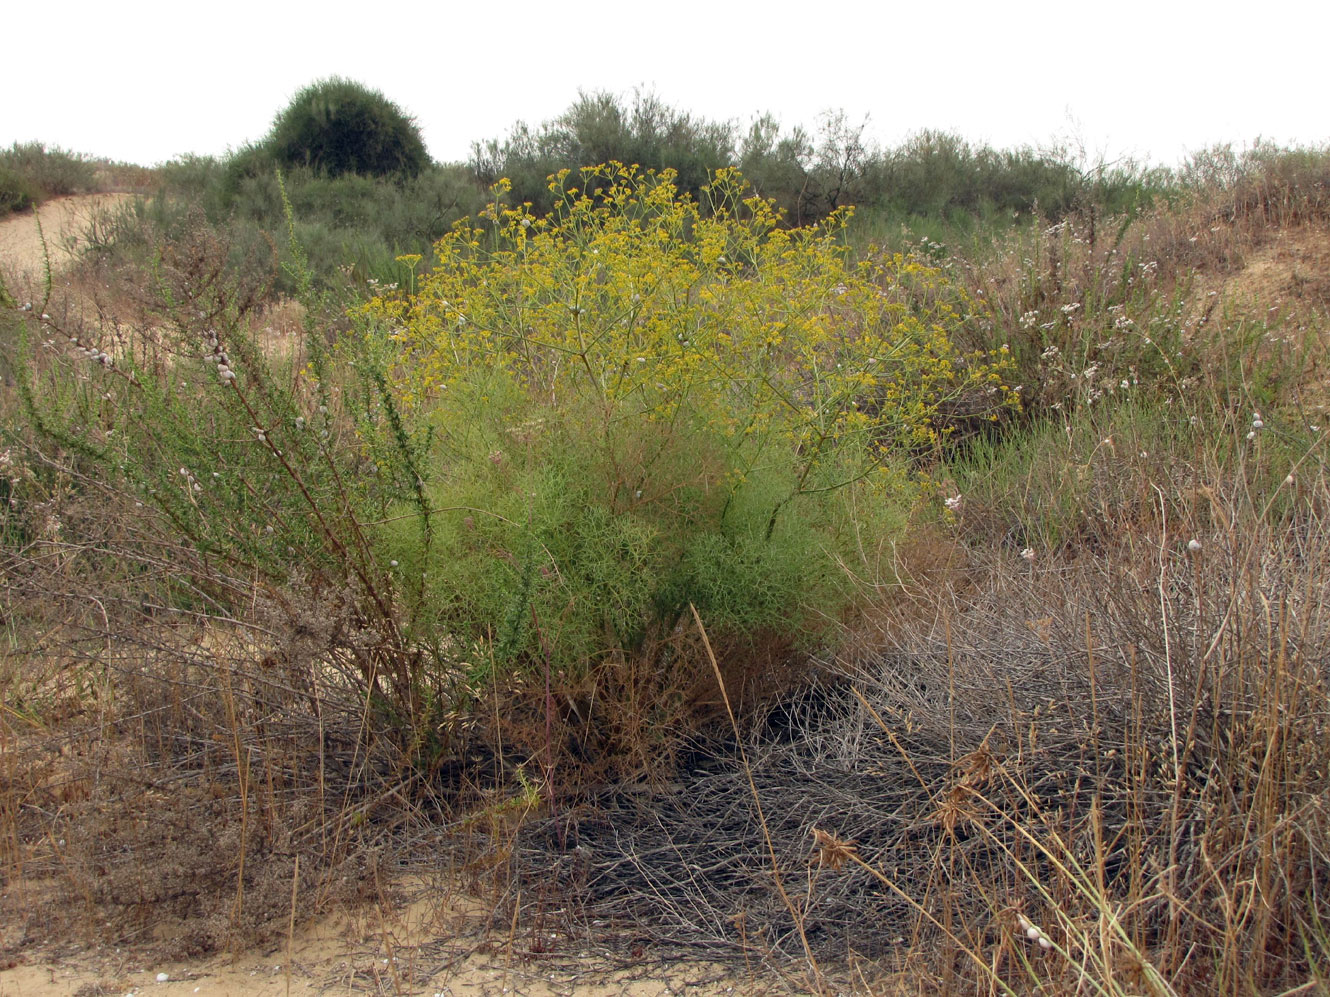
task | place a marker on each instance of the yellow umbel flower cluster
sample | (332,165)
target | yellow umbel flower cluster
(638,302)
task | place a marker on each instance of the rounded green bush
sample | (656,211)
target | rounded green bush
(338,126)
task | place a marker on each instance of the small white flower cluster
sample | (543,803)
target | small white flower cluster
(1033,933)
(953,502)
(1029,320)
(218,356)
(1072,308)
(1028,555)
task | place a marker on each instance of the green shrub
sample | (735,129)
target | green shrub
(934,178)
(638,404)
(248,165)
(52,172)
(201,181)
(777,166)
(600,128)
(17,192)
(352,227)
(30,173)
(337,126)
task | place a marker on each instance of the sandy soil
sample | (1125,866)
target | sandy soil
(326,969)
(318,971)
(429,948)
(64,223)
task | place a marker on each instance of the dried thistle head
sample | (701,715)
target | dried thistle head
(832,851)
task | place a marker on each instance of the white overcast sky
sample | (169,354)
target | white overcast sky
(146,81)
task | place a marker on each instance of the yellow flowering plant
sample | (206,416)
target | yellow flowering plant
(643,400)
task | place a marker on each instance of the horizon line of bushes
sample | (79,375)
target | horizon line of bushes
(364,190)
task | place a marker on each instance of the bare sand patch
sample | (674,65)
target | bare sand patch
(59,227)
(436,946)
